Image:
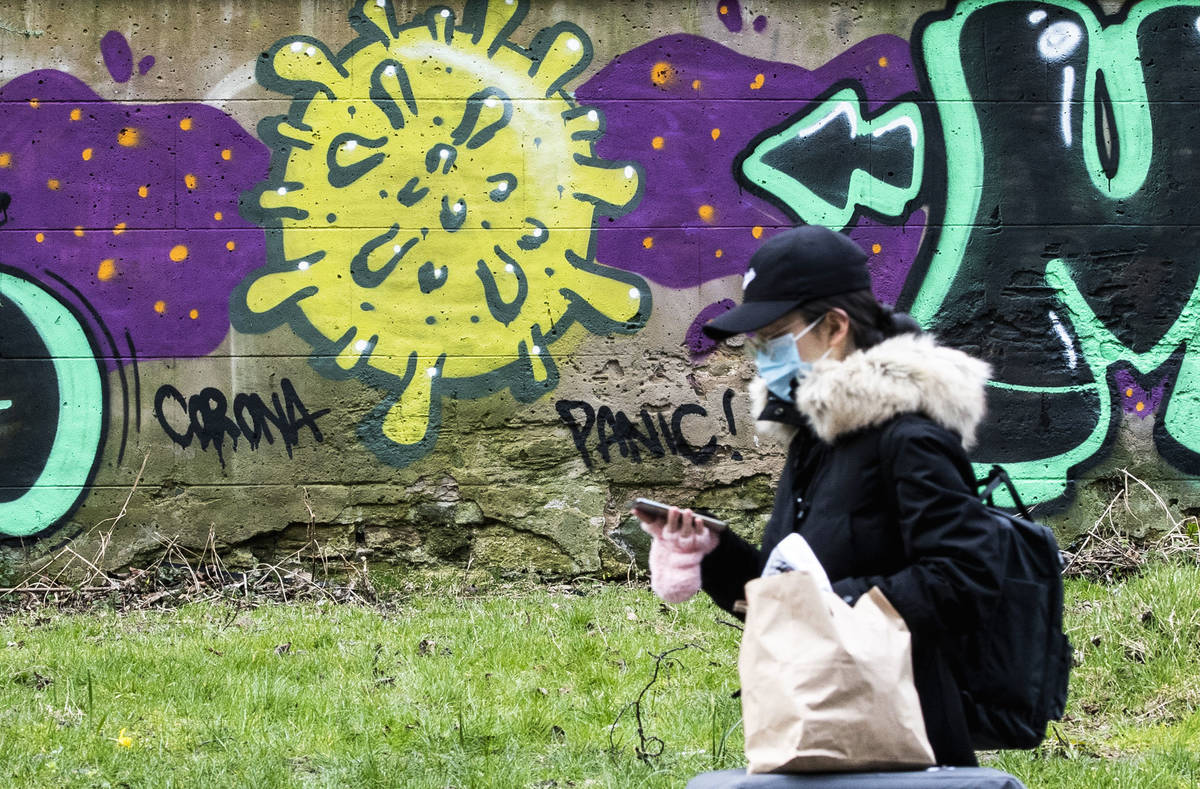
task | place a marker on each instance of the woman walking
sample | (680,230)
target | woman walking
(877,417)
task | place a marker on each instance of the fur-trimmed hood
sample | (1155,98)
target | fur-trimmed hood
(909,373)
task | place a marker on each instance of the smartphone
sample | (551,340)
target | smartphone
(660,510)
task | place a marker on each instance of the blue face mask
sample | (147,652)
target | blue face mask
(779,363)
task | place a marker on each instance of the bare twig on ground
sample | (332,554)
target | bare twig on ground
(648,748)
(1107,552)
(727,623)
(105,537)
(125,507)
(179,574)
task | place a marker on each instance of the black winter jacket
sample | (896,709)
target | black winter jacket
(877,481)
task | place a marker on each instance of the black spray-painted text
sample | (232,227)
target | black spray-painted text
(655,434)
(210,420)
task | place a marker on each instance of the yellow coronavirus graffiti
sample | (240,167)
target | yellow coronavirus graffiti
(434,192)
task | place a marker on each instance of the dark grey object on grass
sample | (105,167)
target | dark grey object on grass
(933,778)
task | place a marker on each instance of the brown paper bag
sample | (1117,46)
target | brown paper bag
(827,687)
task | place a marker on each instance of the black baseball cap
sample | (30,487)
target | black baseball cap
(791,269)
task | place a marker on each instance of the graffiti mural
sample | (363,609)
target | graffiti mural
(121,241)
(300,261)
(432,203)
(687,107)
(52,407)
(1053,248)
(135,206)
(1066,262)
(1018,171)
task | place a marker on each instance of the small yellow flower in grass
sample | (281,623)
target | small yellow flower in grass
(124,740)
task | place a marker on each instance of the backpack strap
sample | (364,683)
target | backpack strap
(995,478)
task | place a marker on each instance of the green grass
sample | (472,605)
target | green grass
(510,688)
(1133,718)
(501,691)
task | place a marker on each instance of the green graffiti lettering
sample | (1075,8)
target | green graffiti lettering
(875,151)
(61,439)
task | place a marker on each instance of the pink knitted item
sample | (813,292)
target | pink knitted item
(675,561)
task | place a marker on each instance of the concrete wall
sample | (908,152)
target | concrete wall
(426,283)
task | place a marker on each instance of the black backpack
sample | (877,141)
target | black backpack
(1013,671)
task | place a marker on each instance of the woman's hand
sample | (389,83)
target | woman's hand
(680,542)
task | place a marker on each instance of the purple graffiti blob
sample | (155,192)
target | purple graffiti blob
(730,13)
(145,64)
(694,223)
(697,342)
(760,23)
(118,57)
(1135,399)
(130,210)
(892,251)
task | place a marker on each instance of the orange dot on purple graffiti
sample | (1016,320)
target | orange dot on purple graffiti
(40,237)
(108,268)
(5,159)
(648,242)
(759,79)
(662,73)
(756,231)
(226,154)
(76,114)
(1129,392)
(87,154)
(119,229)
(178,253)
(716,133)
(79,231)
(34,103)
(657,143)
(185,124)
(723,10)
(696,84)
(143,191)
(217,215)
(189,181)
(883,61)
(1140,406)
(230,246)
(160,306)
(53,184)
(707,212)
(128,137)
(193,314)
(876,249)
(719,253)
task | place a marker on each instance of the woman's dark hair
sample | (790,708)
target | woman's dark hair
(870,322)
